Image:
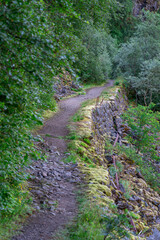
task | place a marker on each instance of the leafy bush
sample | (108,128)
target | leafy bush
(145,129)
(26,77)
(143,46)
(116,227)
(31,55)
(147,84)
(138,59)
(144,136)
(147,169)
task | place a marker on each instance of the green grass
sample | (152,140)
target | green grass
(105,93)
(118,81)
(91,85)
(87,140)
(87,226)
(78,116)
(87,103)
(72,158)
(93,223)
(72,135)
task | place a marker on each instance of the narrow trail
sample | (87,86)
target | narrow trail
(62,179)
(57,126)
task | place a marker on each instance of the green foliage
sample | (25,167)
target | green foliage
(143,46)
(73,135)
(83,144)
(92,221)
(87,226)
(87,140)
(71,158)
(119,165)
(144,135)
(138,59)
(98,13)
(78,116)
(112,171)
(116,227)
(147,169)
(95,59)
(10,224)
(126,187)
(122,22)
(119,81)
(132,214)
(147,84)
(26,62)
(145,129)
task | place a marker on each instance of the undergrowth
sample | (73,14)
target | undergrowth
(147,170)
(78,116)
(93,223)
(86,226)
(144,139)
(10,224)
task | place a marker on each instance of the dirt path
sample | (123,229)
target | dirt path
(53,183)
(57,126)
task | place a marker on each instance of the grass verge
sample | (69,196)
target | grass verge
(86,226)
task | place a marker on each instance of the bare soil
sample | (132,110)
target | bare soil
(53,180)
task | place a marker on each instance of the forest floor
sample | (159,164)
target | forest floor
(53,183)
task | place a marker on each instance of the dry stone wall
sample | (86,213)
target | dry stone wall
(106,121)
(102,120)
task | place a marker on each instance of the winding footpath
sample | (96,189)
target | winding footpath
(62,179)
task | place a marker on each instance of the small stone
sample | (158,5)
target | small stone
(68,174)
(57,153)
(122,205)
(37,207)
(44,174)
(58,178)
(51,202)
(156,203)
(135,198)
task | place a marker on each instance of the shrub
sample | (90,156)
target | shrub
(116,227)
(147,84)
(144,137)
(143,46)
(145,128)
(138,60)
